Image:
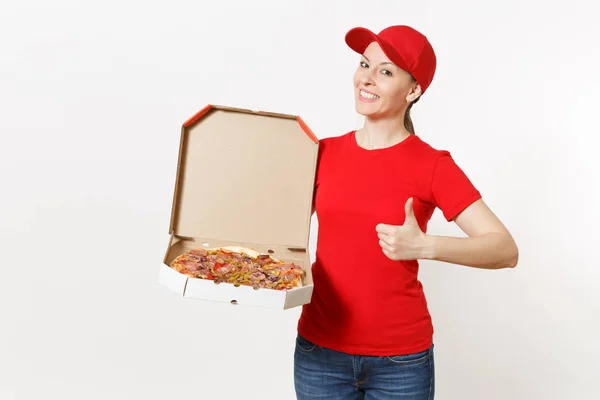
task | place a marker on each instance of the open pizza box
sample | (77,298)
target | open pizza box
(244,178)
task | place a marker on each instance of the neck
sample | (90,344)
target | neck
(381,133)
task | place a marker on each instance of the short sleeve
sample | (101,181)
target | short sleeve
(451,190)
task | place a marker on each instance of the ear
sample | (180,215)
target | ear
(414,93)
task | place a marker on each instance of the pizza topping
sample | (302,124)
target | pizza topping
(222,269)
(239,268)
(256,276)
(198,252)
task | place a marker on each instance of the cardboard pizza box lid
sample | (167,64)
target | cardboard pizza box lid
(245,176)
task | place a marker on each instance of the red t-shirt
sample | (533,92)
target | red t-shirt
(363,302)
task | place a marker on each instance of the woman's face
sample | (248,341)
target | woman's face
(381,88)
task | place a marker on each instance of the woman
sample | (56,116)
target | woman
(367,332)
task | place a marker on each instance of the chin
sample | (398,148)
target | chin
(366,109)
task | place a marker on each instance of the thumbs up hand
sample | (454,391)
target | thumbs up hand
(402,242)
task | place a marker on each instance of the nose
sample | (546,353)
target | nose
(367,78)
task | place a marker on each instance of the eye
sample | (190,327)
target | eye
(364,64)
(386,72)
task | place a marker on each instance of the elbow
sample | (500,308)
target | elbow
(513,259)
(508,253)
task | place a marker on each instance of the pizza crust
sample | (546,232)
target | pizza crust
(238,249)
(245,250)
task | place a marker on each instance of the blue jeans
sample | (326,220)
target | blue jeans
(321,373)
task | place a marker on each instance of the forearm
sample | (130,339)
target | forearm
(488,251)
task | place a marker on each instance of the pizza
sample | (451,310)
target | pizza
(239,266)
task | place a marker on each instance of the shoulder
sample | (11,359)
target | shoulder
(334,142)
(426,157)
(330,150)
(425,150)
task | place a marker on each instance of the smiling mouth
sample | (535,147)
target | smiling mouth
(368,96)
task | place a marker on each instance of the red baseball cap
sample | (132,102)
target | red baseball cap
(404,46)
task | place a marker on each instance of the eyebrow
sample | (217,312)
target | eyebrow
(383,63)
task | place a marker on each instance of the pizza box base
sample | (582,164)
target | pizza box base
(202,289)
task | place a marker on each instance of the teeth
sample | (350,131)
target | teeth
(368,96)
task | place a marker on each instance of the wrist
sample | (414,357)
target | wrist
(428,249)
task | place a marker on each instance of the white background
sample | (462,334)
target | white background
(92,97)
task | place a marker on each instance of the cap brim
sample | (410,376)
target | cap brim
(358,39)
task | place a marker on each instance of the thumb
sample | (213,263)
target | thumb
(385,229)
(409,212)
